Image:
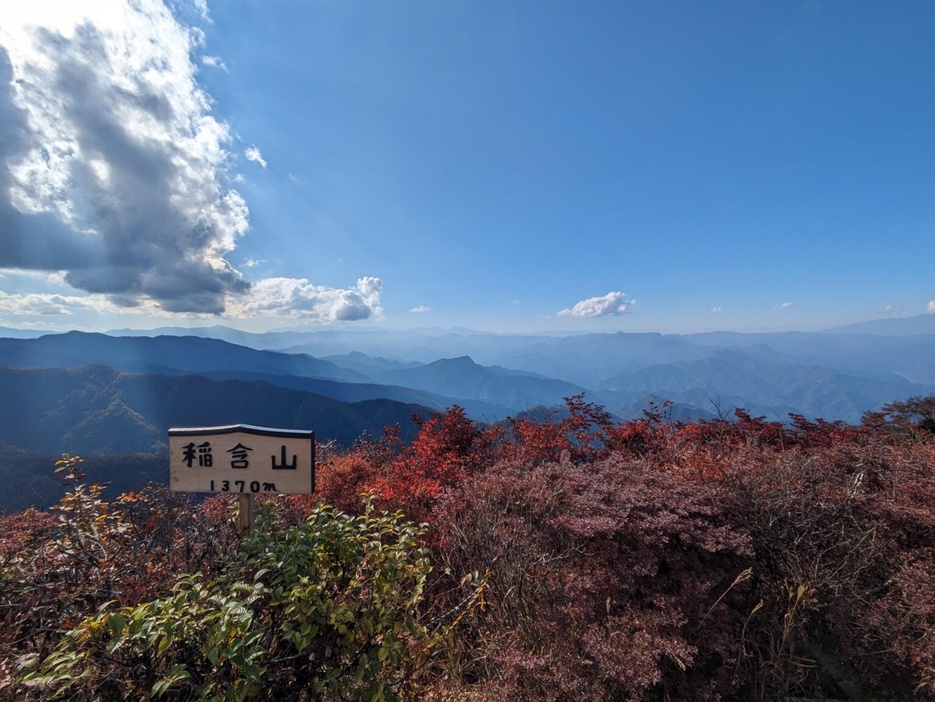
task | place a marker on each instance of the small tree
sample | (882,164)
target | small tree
(913,418)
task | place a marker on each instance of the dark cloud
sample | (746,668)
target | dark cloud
(126,211)
(112,172)
(351,307)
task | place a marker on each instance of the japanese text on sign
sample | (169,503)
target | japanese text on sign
(242,459)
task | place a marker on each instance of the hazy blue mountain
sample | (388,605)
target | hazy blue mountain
(187,354)
(589,358)
(7,332)
(97,409)
(922,324)
(904,346)
(912,357)
(675,411)
(420,345)
(835,375)
(368,365)
(727,372)
(358,392)
(552,354)
(757,382)
(463,378)
(269,341)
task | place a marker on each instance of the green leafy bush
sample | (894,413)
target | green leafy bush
(324,610)
(58,568)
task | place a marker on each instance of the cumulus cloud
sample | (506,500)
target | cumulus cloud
(253,154)
(298,299)
(285,299)
(611,304)
(785,306)
(26,305)
(38,304)
(421,309)
(114,172)
(112,167)
(931,307)
(214,62)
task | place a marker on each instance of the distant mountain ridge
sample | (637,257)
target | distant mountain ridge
(768,383)
(97,409)
(832,375)
(358,392)
(189,354)
(921,324)
(463,378)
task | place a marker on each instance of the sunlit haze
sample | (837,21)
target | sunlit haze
(511,167)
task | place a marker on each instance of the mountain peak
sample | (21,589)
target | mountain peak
(457,362)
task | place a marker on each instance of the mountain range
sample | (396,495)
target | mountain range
(97,409)
(118,393)
(837,374)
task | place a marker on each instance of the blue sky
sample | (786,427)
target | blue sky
(519,166)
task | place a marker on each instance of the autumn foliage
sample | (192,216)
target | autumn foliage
(573,557)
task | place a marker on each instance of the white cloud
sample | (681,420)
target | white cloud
(298,299)
(29,305)
(114,172)
(785,306)
(897,312)
(53,277)
(202,7)
(252,262)
(112,167)
(214,62)
(931,307)
(52,304)
(285,299)
(611,304)
(716,309)
(421,309)
(253,154)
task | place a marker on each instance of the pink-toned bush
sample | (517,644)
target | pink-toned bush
(608,580)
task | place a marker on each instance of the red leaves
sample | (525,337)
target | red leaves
(448,448)
(643,559)
(601,572)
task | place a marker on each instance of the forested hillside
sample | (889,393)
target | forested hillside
(564,558)
(96,409)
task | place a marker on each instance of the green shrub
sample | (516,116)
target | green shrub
(323,610)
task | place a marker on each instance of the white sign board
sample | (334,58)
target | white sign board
(242,459)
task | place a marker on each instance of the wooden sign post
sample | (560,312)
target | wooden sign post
(244,460)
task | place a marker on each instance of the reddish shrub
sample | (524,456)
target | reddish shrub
(834,524)
(609,580)
(448,447)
